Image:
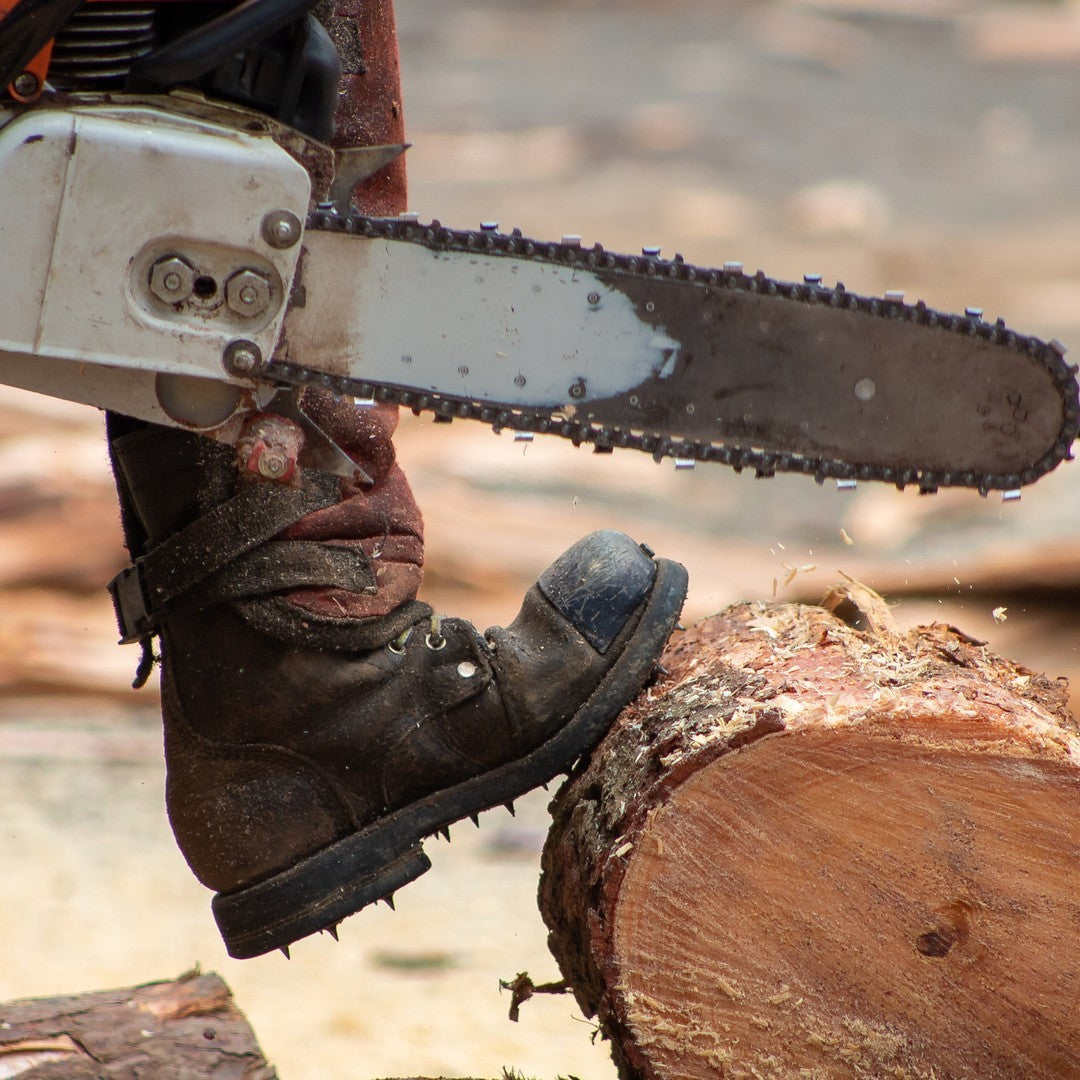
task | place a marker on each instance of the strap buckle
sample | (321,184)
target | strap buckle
(133,615)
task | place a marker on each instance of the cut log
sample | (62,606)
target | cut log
(821,848)
(185,1029)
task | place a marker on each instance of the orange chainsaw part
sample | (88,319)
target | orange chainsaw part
(35,70)
(32,77)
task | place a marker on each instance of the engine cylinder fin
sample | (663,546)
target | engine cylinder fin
(100,42)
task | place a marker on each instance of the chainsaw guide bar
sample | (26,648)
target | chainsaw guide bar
(761,374)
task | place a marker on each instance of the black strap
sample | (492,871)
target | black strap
(290,564)
(208,545)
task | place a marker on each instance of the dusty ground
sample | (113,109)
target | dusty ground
(930,147)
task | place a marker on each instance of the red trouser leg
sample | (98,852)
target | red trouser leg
(382,518)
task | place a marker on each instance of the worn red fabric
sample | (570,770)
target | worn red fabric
(382,518)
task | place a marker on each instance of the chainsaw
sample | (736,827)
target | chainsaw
(177,244)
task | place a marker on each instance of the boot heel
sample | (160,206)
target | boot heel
(312,895)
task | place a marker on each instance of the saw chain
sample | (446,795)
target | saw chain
(528,420)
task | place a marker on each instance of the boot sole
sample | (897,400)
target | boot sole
(320,890)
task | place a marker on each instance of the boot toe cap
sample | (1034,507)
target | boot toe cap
(598,584)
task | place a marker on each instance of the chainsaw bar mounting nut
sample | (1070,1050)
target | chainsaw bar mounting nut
(172,279)
(247,293)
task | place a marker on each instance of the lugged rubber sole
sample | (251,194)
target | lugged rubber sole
(319,891)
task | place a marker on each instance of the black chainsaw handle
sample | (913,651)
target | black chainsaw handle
(192,55)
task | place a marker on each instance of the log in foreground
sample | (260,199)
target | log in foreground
(184,1029)
(823,848)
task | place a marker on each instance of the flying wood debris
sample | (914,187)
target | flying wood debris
(794,571)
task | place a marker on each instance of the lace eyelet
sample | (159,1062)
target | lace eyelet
(435,642)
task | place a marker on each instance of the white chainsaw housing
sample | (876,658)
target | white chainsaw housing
(92,199)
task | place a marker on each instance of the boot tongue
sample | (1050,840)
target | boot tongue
(171,477)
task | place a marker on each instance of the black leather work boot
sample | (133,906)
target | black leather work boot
(310,750)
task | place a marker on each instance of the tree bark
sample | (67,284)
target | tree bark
(186,1029)
(822,848)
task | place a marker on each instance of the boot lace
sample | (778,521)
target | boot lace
(433,639)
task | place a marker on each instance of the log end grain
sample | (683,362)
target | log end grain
(817,851)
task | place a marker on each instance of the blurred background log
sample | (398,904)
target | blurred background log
(821,844)
(185,1029)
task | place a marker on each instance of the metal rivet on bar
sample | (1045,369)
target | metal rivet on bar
(523,436)
(733,267)
(242,357)
(812,279)
(571,240)
(684,463)
(281,228)
(973,312)
(489,226)
(846,485)
(650,252)
(1011,496)
(895,296)
(411,217)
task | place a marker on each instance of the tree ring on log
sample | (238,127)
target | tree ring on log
(868,886)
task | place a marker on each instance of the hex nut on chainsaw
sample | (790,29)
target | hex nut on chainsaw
(247,293)
(172,279)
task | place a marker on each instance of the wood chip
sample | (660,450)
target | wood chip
(795,571)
